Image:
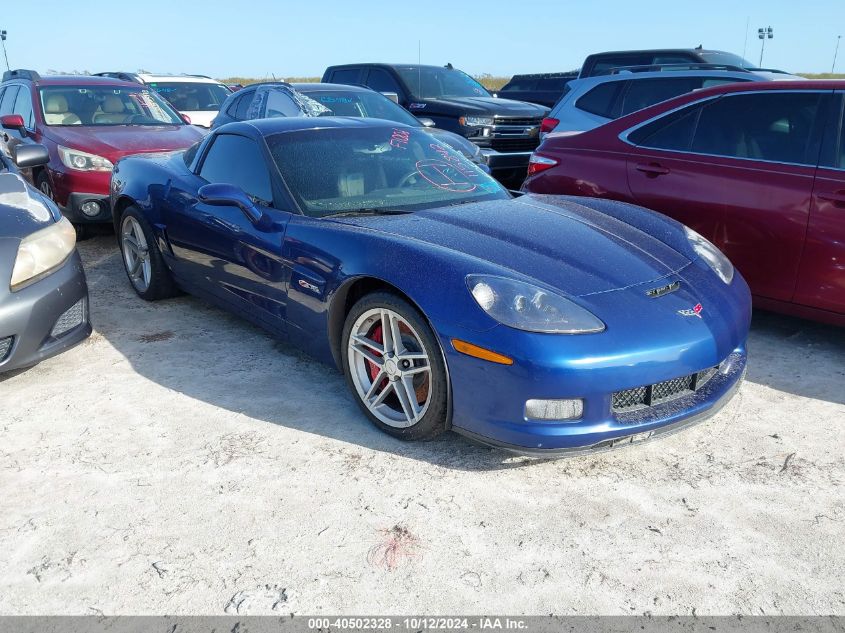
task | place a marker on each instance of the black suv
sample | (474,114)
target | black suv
(507,131)
(543,89)
(601,63)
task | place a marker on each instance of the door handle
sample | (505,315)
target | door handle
(836,197)
(652,170)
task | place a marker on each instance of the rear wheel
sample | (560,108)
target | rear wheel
(142,258)
(395,368)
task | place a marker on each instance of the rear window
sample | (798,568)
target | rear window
(552,83)
(600,100)
(190,96)
(346,76)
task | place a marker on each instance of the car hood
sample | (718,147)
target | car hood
(115,141)
(23,210)
(489,106)
(561,243)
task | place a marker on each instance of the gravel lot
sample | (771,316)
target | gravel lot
(182,461)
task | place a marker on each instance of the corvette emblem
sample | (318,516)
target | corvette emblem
(696,311)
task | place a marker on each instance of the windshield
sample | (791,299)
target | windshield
(192,96)
(727,59)
(346,170)
(361,104)
(435,83)
(105,105)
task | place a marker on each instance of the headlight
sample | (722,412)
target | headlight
(527,307)
(714,258)
(83,161)
(476,121)
(42,252)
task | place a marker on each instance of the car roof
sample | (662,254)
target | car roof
(77,80)
(663,74)
(198,79)
(295,124)
(788,84)
(318,87)
(659,50)
(384,65)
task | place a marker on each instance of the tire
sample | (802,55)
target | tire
(402,389)
(142,260)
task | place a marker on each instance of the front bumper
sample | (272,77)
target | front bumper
(73,189)
(73,210)
(658,421)
(506,160)
(647,341)
(29,317)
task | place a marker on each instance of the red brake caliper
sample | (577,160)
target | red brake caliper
(378,336)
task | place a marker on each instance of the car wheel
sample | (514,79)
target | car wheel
(395,368)
(142,258)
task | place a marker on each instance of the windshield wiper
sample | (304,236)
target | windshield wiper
(369,211)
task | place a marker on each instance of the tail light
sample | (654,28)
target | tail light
(548,125)
(538,163)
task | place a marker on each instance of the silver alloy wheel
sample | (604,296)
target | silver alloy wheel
(136,254)
(393,375)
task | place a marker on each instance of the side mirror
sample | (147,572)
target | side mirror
(12,122)
(222,195)
(393,96)
(426,121)
(30,155)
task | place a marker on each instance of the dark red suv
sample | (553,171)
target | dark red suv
(758,169)
(87,124)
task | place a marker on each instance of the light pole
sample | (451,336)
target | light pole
(3,41)
(764,34)
(835,52)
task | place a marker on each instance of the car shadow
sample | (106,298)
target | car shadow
(207,354)
(797,356)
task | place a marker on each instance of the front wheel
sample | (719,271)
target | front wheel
(394,367)
(142,258)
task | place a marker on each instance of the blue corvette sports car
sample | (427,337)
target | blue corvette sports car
(541,324)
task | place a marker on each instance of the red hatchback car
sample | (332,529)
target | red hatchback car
(758,169)
(87,124)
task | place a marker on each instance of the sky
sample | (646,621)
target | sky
(263,38)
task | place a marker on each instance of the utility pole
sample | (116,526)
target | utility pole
(3,41)
(835,52)
(764,34)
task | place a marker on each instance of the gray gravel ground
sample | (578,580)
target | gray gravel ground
(182,461)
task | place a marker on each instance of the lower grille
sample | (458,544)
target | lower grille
(660,392)
(71,318)
(5,347)
(514,144)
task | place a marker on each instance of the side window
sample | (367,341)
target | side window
(646,92)
(233,106)
(23,106)
(346,76)
(8,101)
(672,131)
(237,160)
(281,104)
(773,126)
(381,81)
(601,99)
(243,106)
